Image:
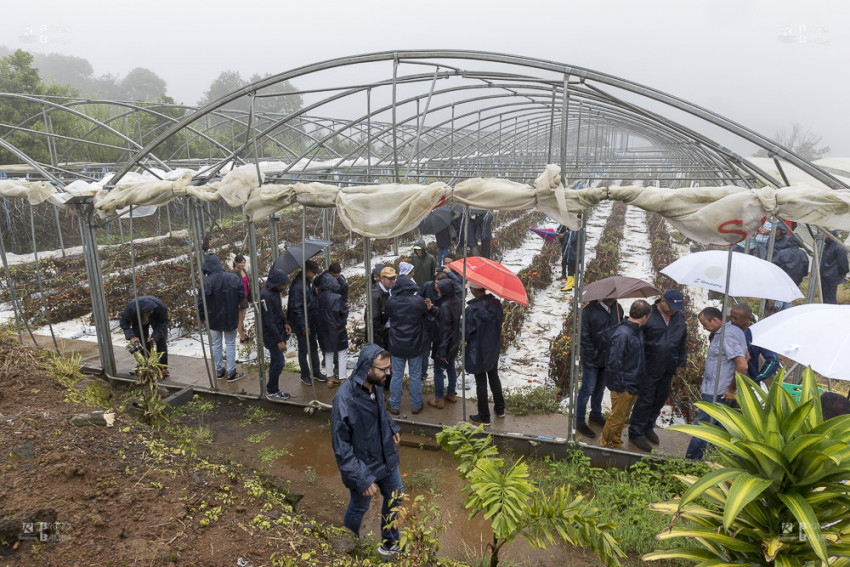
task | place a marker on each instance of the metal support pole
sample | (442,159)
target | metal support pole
(551,127)
(723,327)
(307,330)
(326,235)
(395,119)
(274,223)
(367,254)
(369,135)
(85,204)
(255,293)
(565,108)
(463,311)
(575,343)
(196,232)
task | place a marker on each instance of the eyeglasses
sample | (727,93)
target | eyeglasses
(384,369)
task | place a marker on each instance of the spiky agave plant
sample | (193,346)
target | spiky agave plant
(777,492)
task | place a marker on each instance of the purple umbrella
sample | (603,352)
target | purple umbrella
(547,234)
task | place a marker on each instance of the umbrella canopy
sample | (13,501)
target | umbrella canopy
(547,234)
(751,276)
(436,221)
(616,287)
(292,258)
(493,277)
(816,335)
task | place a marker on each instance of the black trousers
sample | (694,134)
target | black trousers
(652,395)
(481,381)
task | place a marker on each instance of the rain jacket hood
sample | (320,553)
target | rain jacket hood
(211,264)
(276,278)
(364,361)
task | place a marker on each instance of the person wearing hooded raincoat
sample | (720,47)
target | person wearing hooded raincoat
(364,439)
(331,320)
(484,316)
(793,260)
(833,269)
(154,316)
(223,292)
(424,264)
(276,330)
(410,320)
(302,322)
(446,342)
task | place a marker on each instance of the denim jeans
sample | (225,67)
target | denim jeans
(592,388)
(276,363)
(397,387)
(302,339)
(359,504)
(441,369)
(697,446)
(426,356)
(441,255)
(229,345)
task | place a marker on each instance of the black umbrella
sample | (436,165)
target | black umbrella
(292,258)
(436,221)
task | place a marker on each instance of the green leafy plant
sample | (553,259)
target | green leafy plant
(776,493)
(258,415)
(516,506)
(269,454)
(148,373)
(531,401)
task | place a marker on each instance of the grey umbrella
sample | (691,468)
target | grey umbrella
(436,221)
(616,287)
(292,258)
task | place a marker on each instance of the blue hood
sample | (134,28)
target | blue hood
(211,264)
(328,283)
(276,278)
(369,352)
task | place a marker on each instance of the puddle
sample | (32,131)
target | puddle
(311,469)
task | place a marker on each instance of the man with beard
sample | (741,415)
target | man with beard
(364,439)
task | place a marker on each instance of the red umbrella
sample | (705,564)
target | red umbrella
(493,277)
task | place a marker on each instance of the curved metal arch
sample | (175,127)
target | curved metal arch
(75,113)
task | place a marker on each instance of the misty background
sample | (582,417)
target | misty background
(765,64)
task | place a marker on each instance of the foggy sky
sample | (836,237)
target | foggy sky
(764,64)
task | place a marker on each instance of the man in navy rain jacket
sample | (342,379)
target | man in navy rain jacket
(364,439)
(484,318)
(275,330)
(833,269)
(331,320)
(223,293)
(154,315)
(299,322)
(409,336)
(625,365)
(665,340)
(595,319)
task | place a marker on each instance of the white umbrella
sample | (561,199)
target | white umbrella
(815,335)
(750,276)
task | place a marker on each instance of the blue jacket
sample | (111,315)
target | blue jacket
(224,292)
(665,345)
(771,361)
(625,365)
(447,325)
(484,318)
(594,320)
(331,316)
(295,305)
(569,244)
(487,226)
(410,320)
(273,317)
(362,429)
(833,262)
(340,282)
(793,260)
(158,318)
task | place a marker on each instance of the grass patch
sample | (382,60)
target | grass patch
(623,496)
(293,367)
(533,401)
(259,437)
(258,415)
(422,480)
(269,455)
